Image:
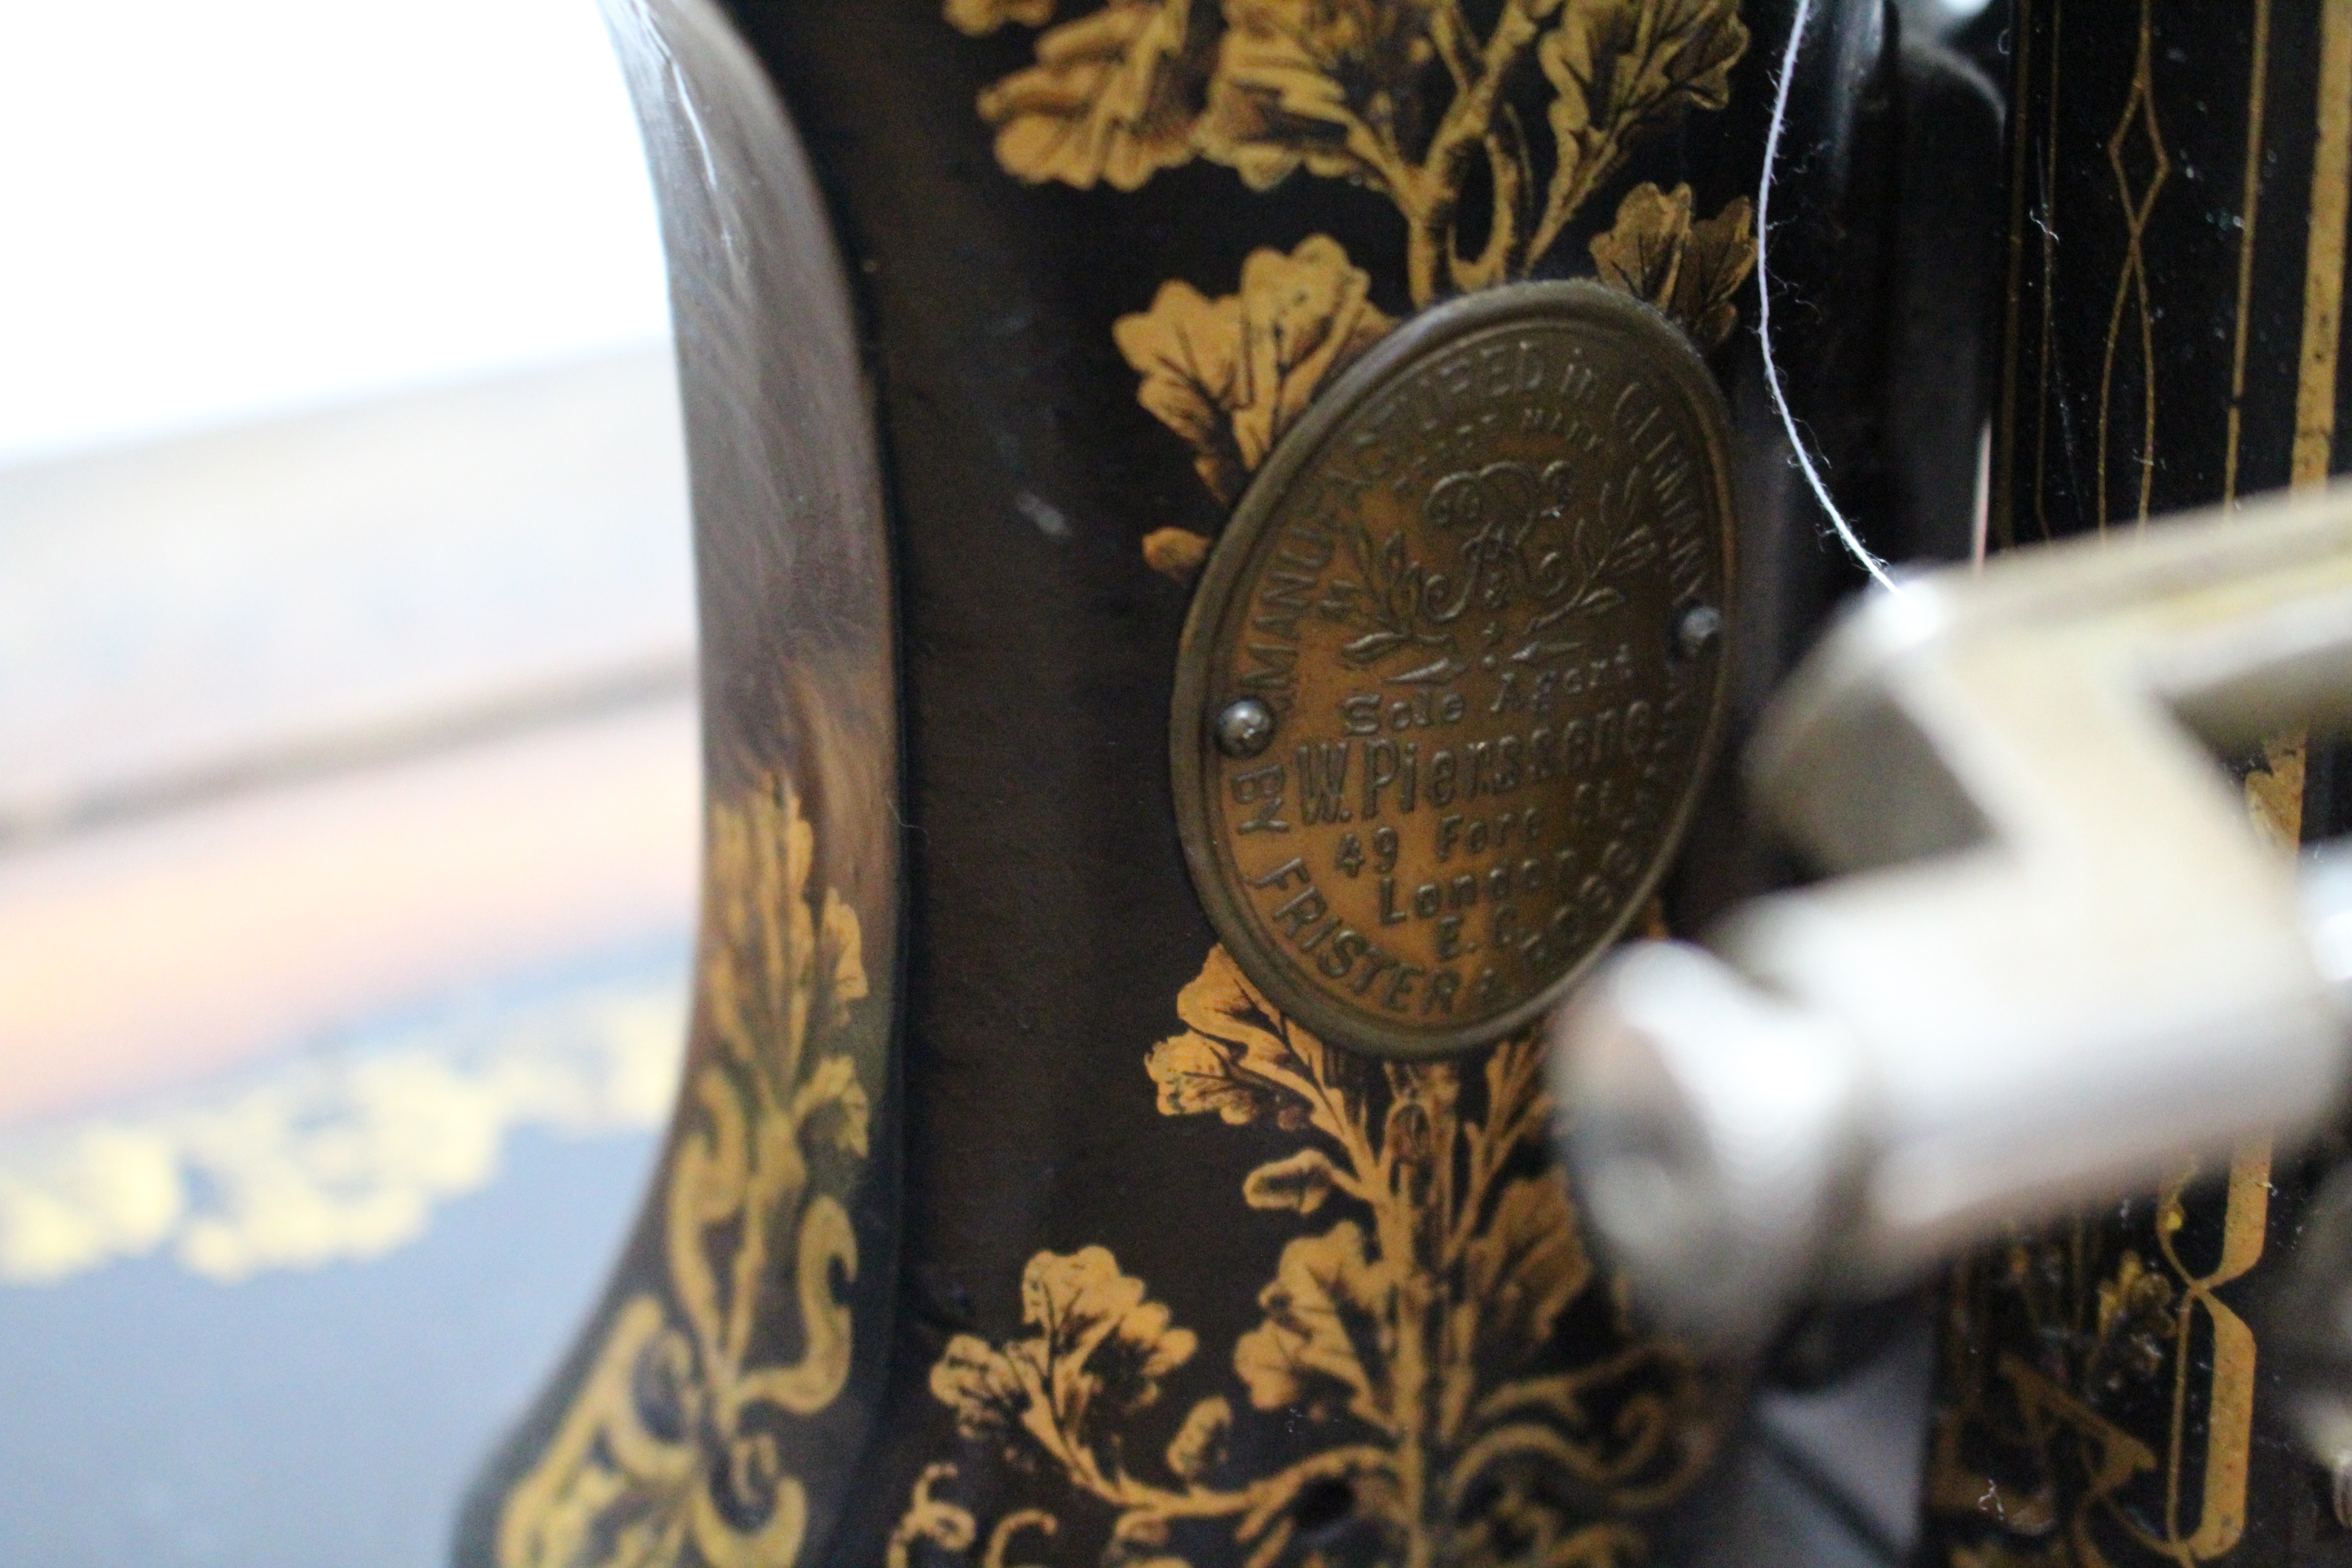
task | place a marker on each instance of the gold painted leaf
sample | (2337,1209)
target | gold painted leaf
(1618,66)
(1197,1075)
(1177,554)
(1643,254)
(1328,1300)
(1188,350)
(1231,375)
(1106,1345)
(1721,253)
(1097,1355)
(1305,317)
(1200,1444)
(981,1385)
(831,1109)
(1526,1266)
(1111,98)
(975,17)
(1301,1182)
(841,948)
(1241,1058)
(1294,83)
(1689,270)
(1221,1003)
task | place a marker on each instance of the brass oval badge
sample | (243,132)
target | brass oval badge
(1456,666)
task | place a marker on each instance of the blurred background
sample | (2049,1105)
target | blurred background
(348,772)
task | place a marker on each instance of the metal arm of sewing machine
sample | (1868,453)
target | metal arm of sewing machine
(2052,957)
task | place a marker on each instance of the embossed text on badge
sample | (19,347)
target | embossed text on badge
(1456,666)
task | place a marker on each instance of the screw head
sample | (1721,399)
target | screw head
(1243,727)
(1700,626)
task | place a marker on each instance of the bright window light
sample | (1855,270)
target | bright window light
(234,209)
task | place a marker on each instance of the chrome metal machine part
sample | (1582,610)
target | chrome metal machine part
(2056,955)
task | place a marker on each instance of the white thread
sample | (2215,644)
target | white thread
(1870,564)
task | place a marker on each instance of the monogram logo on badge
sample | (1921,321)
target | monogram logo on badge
(1457,668)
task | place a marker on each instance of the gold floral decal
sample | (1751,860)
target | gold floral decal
(978,17)
(671,1452)
(1343,89)
(1689,270)
(1406,1342)
(1231,375)
(1338,88)
(1109,99)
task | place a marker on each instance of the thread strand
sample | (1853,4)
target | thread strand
(1846,535)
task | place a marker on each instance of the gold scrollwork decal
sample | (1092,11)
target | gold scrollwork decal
(2063,1453)
(674,1449)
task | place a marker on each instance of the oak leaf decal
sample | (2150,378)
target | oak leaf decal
(981,1385)
(1200,1444)
(1196,1074)
(1112,98)
(1293,84)
(1242,1059)
(1526,1266)
(1301,1182)
(1619,67)
(1223,1002)
(1188,349)
(1232,374)
(976,18)
(1176,553)
(1689,270)
(1103,1338)
(1096,1355)
(1326,1295)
